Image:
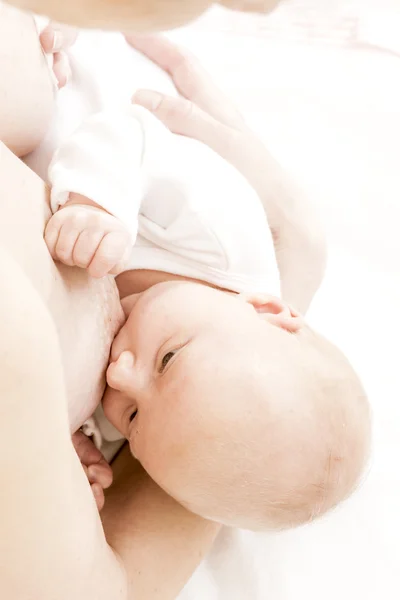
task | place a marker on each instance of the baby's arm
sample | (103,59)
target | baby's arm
(96,178)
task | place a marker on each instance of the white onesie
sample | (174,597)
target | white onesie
(190,212)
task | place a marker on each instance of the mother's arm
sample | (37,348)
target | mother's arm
(52,543)
(204,113)
(134,15)
(26,90)
(160,543)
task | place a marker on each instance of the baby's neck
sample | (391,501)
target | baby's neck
(135,282)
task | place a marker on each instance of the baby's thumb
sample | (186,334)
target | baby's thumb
(185,118)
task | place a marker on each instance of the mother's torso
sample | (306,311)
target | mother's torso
(87,312)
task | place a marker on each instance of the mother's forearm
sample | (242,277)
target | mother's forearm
(299,238)
(51,544)
(125,15)
(160,543)
(301,256)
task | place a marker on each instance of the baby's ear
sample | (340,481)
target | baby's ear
(276,311)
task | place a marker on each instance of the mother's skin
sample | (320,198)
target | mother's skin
(55,538)
(134,15)
(52,542)
(87,313)
(51,531)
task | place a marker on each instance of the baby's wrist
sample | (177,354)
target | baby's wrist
(75,199)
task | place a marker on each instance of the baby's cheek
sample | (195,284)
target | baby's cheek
(151,443)
(147,442)
(168,449)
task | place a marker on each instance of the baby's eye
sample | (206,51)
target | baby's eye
(166,360)
(133,415)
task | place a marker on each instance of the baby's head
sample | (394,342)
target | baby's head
(235,407)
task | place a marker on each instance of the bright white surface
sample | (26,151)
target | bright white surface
(330,109)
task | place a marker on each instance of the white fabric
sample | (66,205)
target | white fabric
(102,160)
(194,213)
(105,74)
(104,435)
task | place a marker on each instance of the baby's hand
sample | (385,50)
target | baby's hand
(90,238)
(98,471)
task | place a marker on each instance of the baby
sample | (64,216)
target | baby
(231,403)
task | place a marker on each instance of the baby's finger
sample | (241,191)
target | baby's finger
(188,76)
(61,69)
(86,450)
(101,474)
(51,234)
(65,245)
(86,247)
(185,118)
(98,494)
(110,251)
(121,264)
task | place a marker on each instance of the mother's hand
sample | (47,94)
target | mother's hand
(204,113)
(55,39)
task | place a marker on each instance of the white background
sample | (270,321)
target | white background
(326,100)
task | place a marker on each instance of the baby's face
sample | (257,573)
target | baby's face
(176,388)
(229,413)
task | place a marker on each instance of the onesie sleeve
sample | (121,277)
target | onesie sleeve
(102,160)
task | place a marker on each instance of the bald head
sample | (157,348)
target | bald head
(297,447)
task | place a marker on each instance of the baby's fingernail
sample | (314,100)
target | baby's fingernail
(57,41)
(148,99)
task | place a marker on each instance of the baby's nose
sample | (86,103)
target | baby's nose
(120,372)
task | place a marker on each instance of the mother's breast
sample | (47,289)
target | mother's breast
(87,312)
(88,315)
